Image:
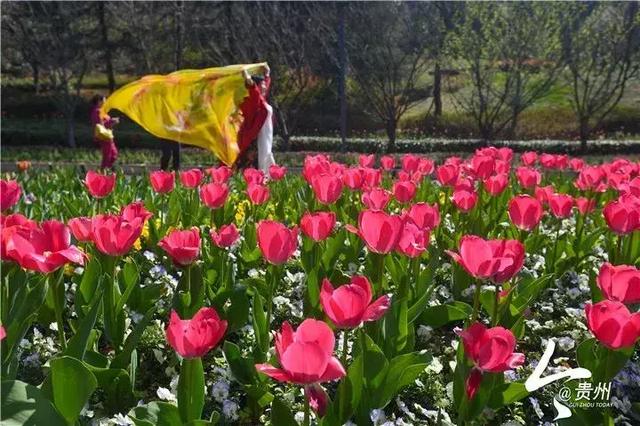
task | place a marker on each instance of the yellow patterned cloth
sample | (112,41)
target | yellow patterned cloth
(195,107)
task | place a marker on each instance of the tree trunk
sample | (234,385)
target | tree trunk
(342,80)
(584,134)
(391,129)
(437,90)
(513,125)
(106,46)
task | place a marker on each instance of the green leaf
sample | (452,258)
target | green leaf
(191,389)
(124,357)
(130,277)
(260,326)
(403,371)
(117,386)
(156,414)
(23,404)
(70,384)
(88,285)
(375,364)
(237,314)
(242,367)
(347,396)
(281,414)
(506,394)
(439,315)
(77,345)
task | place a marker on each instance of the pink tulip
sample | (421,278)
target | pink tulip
(482,166)
(525,212)
(182,246)
(350,305)
(413,240)
(491,351)
(404,191)
(561,205)
(277,172)
(623,215)
(585,205)
(81,229)
(496,184)
(327,188)
(258,194)
(376,198)
(251,175)
(371,177)
(410,163)
(543,193)
(464,200)
(591,178)
(220,174)
(528,177)
(43,249)
(277,242)
(226,236)
(135,210)
(529,158)
(424,215)
(496,260)
(305,355)
(99,185)
(318,226)
(214,195)
(367,160)
(387,162)
(612,324)
(162,181)
(353,178)
(447,174)
(620,283)
(10,224)
(191,178)
(10,192)
(380,231)
(195,337)
(114,235)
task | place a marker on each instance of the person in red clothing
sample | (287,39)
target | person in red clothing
(108,147)
(256,130)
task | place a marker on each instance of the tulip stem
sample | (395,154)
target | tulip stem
(345,348)
(476,302)
(496,304)
(306,408)
(57,289)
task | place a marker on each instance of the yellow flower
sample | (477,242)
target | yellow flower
(68,269)
(442,197)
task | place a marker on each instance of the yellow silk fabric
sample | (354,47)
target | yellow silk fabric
(195,107)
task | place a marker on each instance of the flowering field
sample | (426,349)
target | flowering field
(496,289)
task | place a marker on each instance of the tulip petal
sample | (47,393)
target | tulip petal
(273,372)
(377,309)
(334,370)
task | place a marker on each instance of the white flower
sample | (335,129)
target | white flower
(166,395)
(53,326)
(377,416)
(220,390)
(566,343)
(574,293)
(253,273)
(435,365)
(299,417)
(424,332)
(151,256)
(173,385)
(121,420)
(230,409)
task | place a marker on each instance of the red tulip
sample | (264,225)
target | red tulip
(99,185)
(114,235)
(43,249)
(376,198)
(162,181)
(10,192)
(491,350)
(367,160)
(591,178)
(612,324)
(525,212)
(214,195)
(620,283)
(482,166)
(543,193)
(81,229)
(527,177)
(135,210)
(191,178)
(305,355)
(253,176)
(497,260)
(350,305)
(585,205)
(226,236)
(318,226)
(413,240)
(447,174)
(529,158)
(277,242)
(561,205)
(220,174)
(623,215)
(424,215)
(465,200)
(410,163)
(505,154)
(496,184)
(380,231)
(327,188)
(182,246)
(10,224)
(387,162)
(371,177)
(404,191)
(193,338)
(315,165)
(277,172)
(353,178)
(258,194)
(426,166)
